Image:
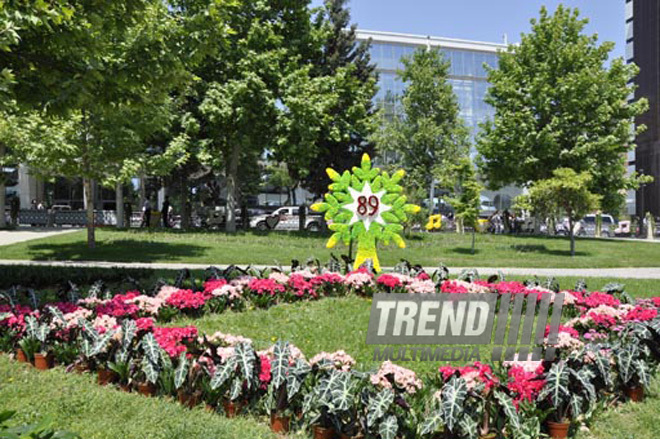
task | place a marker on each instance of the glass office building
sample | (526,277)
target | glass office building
(467,76)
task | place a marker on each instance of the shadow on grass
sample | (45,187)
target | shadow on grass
(542,249)
(465,251)
(117,251)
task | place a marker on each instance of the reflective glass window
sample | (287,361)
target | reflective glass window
(630,50)
(629,10)
(629,30)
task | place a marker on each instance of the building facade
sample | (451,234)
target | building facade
(643,48)
(467,75)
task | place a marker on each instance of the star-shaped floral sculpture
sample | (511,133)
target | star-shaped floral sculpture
(365,205)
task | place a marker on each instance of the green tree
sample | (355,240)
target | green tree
(102,85)
(558,106)
(466,193)
(261,98)
(566,191)
(344,138)
(427,134)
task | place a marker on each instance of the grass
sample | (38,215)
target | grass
(281,247)
(630,420)
(76,403)
(339,323)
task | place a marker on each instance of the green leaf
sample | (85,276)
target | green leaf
(388,428)
(280,364)
(181,371)
(452,401)
(378,406)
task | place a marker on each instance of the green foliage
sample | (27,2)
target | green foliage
(558,106)
(565,192)
(427,133)
(466,199)
(341,142)
(39,430)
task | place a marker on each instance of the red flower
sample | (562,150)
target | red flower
(640,314)
(264,371)
(145,324)
(388,280)
(172,339)
(525,385)
(213,284)
(265,286)
(186,299)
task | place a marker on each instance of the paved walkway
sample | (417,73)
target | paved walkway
(8,237)
(631,273)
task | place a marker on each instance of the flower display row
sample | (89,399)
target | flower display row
(608,346)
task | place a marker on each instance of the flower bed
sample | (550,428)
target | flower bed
(608,348)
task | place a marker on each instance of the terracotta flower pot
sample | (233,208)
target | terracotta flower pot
(80,368)
(43,362)
(356,436)
(20,356)
(189,400)
(323,433)
(231,408)
(125,387)
(279,424)
(209,408)
(105,377)
(147,389)
(635,394)
(558,430)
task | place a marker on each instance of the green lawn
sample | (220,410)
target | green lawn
(76,403)
(281,247)
(340,323)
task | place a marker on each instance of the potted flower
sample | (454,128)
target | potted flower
(284,377)
(237,378)
(633,370)
(120,363)
(186,378)
(34,343)
(152,363)
(567,393)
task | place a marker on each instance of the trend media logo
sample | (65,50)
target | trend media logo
(464,319)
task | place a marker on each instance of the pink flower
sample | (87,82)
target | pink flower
(340,359)
(264,371)
(301,286)
(640,314)
(172,339)
(265,286)
(390,375)
(212,285)
(596,299)
(525,385)
(388,281)
(474,374)
(145,324)
(186,300)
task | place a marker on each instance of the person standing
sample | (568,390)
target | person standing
(165,212)
(146,214)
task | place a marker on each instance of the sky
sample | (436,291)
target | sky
(482,20)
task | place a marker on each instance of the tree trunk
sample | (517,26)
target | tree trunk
(232,189)
(89,206)
(473,239)
(185,213)
(571,233)
(432,197)
(599,225)
(3,190)
(119,200)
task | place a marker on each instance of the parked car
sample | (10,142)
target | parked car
(286,218)
(607,229)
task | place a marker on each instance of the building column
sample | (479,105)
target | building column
(27,187)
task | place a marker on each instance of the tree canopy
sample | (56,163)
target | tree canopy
(557,105)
